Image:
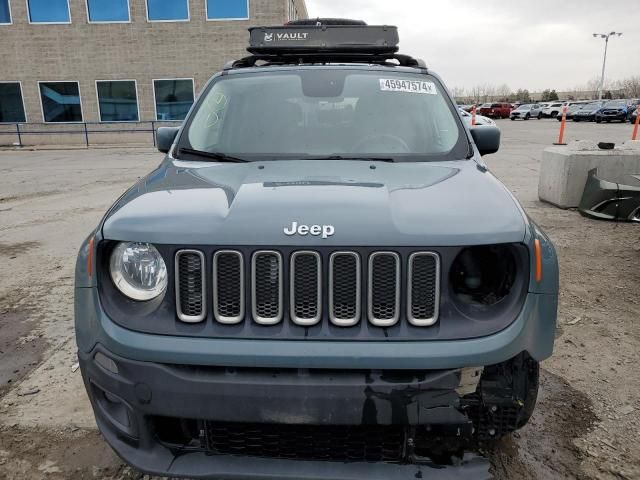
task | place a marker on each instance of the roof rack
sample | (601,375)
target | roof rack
(325,41)
(315,58)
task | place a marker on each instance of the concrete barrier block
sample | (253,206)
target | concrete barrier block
(564,169)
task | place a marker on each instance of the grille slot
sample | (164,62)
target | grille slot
(266,287)
(308,442)
(384,289)
(228,287)
(306,288)
(423,289)
(190,286)
(345,289)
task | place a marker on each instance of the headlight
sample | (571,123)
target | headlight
(483,276)
(138,271)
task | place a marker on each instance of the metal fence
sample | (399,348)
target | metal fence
(85,130)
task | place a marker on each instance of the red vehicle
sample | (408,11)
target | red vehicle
(496,110)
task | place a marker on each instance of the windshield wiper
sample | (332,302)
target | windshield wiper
(221,157)
(364,159)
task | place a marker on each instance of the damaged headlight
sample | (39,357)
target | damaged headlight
(138,271)
(483,276)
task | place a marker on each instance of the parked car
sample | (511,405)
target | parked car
(571,110)
(552,110)
(588,112)
(305,290)
(496,110)
(633,115)
(480,119)
(527,111)
(614,110)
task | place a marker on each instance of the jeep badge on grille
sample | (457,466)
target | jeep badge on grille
(316,230)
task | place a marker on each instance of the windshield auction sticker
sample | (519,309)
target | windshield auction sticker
(408,86)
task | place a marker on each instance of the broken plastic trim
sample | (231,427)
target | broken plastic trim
(606,200)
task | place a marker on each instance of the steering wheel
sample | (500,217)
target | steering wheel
(369,140)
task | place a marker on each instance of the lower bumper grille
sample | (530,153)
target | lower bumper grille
(308,442)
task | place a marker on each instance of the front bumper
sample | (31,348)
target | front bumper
(620,116)
(129,396)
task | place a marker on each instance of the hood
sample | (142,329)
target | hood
(365,203)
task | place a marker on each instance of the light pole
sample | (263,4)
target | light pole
(604,62)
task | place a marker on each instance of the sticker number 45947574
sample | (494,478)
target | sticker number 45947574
(408,86)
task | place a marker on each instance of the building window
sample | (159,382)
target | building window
(168,10)
(49,11)
(173,98)
(11,104)
(60,102)
(5,12)
(227,9)
(117,100)
(108,11)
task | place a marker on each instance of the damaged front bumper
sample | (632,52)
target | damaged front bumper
(606,200)
(167,420)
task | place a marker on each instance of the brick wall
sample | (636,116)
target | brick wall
(139,50)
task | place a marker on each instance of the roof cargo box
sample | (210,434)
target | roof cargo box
(323,39)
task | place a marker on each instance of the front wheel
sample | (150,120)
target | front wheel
(527,116)
(598,120)
(554,114)
(539,116)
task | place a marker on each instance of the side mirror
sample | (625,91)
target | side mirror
(486,138)
(165,137)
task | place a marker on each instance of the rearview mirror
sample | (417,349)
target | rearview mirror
(486,138)
(165,137)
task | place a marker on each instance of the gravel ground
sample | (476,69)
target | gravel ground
(587,420)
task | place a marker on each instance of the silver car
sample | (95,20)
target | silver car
(527,111)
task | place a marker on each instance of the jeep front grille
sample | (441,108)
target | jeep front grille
(190,286)
(300,286)
(423,290)
(345,288)
(384,289)
(266,287)
(228,287)
(306,288)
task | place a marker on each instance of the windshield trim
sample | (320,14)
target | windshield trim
(462,149)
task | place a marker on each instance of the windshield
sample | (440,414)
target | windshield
(591,106)
(524,107)
(326,113)
(616,104)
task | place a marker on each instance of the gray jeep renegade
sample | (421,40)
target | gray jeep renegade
(321,280)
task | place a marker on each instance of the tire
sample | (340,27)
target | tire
(527,116)
(539,116)
(513,119)
(598,120)
(554,114)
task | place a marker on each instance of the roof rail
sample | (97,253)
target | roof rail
(320,58)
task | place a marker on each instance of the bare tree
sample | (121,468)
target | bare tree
(458,93)
(503,92)
(631,87)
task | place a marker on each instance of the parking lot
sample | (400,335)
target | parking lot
(588,417)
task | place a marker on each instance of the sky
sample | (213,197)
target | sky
(522,43)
